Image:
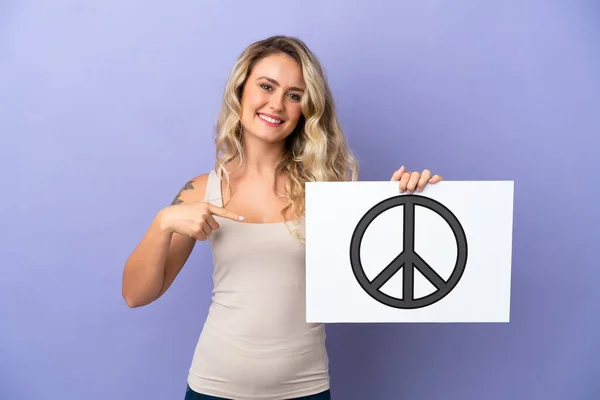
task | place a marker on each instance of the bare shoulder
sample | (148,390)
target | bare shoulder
(192,190)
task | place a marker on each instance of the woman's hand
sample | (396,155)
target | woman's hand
(410,182)
(194,219)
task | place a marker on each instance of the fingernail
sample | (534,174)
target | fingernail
(240,218)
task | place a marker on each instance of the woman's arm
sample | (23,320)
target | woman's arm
(161,254)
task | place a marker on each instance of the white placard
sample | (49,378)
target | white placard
(461,263)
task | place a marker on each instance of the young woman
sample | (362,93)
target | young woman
(277,130)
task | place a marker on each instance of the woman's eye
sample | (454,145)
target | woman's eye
(295,97)
(266,87)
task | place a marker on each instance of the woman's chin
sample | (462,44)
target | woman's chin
(268,135)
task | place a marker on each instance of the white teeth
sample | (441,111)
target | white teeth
(269,119)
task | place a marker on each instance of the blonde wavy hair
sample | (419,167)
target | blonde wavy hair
(316,151)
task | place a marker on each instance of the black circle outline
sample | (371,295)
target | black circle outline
(411,200)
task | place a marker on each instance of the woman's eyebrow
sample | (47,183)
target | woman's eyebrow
(274,82)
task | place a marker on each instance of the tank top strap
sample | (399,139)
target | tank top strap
(213,190)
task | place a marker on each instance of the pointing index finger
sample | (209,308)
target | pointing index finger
(222,212)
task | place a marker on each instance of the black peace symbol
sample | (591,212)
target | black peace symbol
(408,259)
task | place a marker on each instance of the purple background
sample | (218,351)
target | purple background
(108,107)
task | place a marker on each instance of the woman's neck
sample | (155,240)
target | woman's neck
(259,159)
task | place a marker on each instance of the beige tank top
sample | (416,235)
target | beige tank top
(255,343)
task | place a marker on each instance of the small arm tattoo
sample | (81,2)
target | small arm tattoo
(188,186)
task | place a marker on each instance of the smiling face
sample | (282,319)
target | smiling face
(271,100)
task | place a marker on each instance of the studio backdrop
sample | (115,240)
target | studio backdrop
(108,107)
